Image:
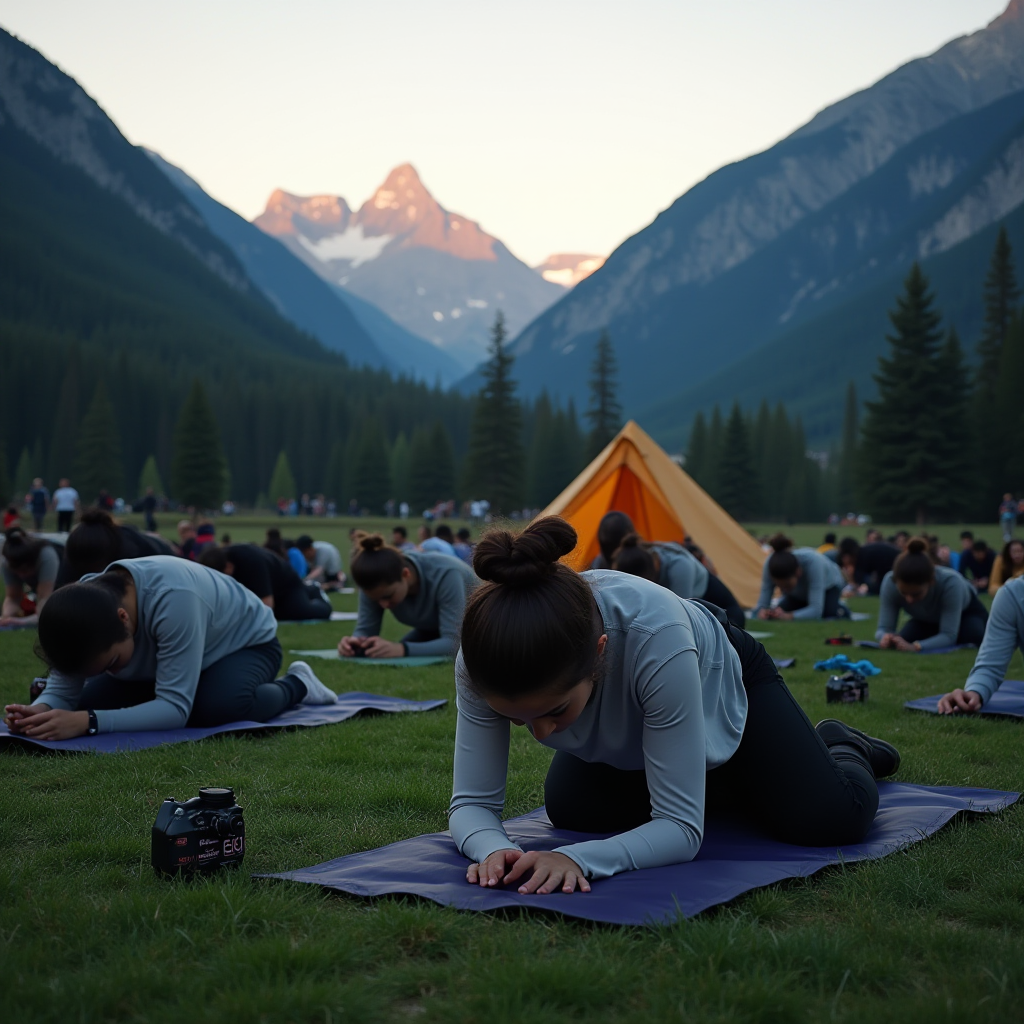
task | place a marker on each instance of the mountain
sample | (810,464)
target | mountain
(438,274)
(108,275)
(569,268)
(757,245)
(342,322)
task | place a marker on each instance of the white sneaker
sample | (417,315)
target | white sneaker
(316,692)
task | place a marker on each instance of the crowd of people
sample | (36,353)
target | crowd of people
(638,672)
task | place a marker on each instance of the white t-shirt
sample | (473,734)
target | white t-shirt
(64,499)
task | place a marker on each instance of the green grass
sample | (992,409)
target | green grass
(89,934)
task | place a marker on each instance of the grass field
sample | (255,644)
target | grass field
(89,934)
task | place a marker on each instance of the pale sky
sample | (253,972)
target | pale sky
(559,125)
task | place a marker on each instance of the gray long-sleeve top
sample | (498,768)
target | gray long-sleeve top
(670,700)
(1004,632)
(818,575)
(943,606)
(189,617)
(445,583)
(683,574)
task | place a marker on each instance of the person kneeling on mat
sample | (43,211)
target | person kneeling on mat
(1004,632)
(271,579)
(159,643)
(658,709)
(811,584)
(943,607)
(422,589)
(674,568)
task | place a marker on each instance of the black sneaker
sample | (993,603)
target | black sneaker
(884,757)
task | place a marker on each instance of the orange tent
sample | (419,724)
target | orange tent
(634,475)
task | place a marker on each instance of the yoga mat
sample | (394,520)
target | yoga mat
(334,617)
(1006,702)
(344,616)
(784,662)
(16,625)
(331,654)
(301,716)
(759,635)
(859,616)
(875,646)
(731,861)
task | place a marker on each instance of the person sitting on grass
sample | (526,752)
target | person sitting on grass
(30,566)
(659,710)
(422,589)
(98,540)
(674,568)
(865,565)
(323,562)
(400,539)
(271,579)
(943,608)
(1009,565)
(437,544)
(811,584)
(1004,633)
(977,563)
(159,643)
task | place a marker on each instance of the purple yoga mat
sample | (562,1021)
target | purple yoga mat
(302,716)
(1006,702)
(732,861)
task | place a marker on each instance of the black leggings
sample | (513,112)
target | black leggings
(832,609)
(972,626)
(301,603)
(719,594)
(782,778)
(239,688)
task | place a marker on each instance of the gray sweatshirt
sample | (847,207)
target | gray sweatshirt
(943,606)
(188,618)
(670,700)
(1004,632)
(437,607)
(683,574)
(819,574)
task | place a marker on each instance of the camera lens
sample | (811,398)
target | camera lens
(214,796)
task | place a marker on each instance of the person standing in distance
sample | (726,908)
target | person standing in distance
(65,504)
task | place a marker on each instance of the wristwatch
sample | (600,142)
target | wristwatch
(94,725)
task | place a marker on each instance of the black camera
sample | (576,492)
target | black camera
(202,834)
(848,688)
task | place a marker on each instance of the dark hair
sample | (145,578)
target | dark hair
(534,624)
(20,550)
(614,526)
(635,557)
(914,566)
(966,534)
(849,547)
(464,534)
(444,532)
(304,543)
(374,563)
(93,544)
(979,545)
(80,621)
(782,565)
(1007,560)
(275,543)
(400,530)
(214,557)
(425,527)
(830,538)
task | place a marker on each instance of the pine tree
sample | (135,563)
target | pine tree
(371,480)
(760,435)
(6,487)
(714,452)
(23,475)
(697,450)
(1009,409)
(282,480)
(65,420)
(334,474)
(198,465)
(432,469)
(539,451)
(846,463)
(400,468)
(735,490)
(150,477)
(954,476)
(903,429)
(98,465)
(495,463)
(604,412)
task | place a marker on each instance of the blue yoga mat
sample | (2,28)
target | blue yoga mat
(1006,702)
(301,716)
(731,861)
(875,646)
(331,654)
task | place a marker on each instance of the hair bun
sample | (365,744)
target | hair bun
(368,541)
(94,516)
(917,545)
(631,540)
(779,542)
(520,560)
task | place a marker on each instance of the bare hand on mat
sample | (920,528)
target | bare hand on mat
(371,647)
(774,613)
(40,722)
(893,641)
(549,872)
(963,701)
